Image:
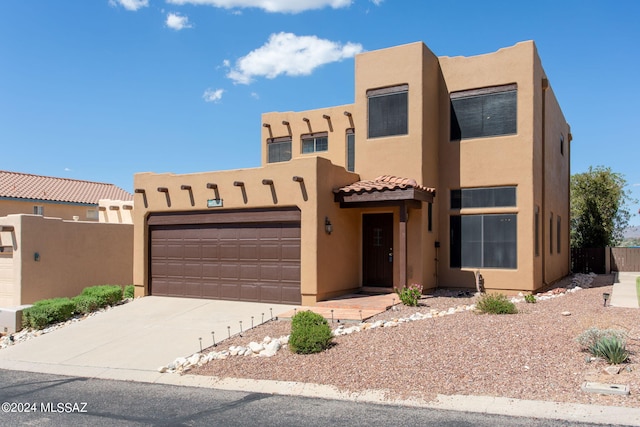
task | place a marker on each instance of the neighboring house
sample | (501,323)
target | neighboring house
(55,197)
(442,167)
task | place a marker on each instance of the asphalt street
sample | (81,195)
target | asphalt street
(49,400)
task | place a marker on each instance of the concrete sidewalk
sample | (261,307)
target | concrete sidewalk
(624,293)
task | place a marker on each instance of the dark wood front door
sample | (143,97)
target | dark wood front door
(377,250)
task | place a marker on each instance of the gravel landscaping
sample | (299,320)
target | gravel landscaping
(529,355)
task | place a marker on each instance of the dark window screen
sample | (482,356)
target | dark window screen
(493,197)
(351,151)
(481,115)
(388,114)
(279,150)
(483,241)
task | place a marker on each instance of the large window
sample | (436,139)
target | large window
(351,150)
(484,112)
(484,241)
(278,149)
(490,197)
(315,142)
(388,111)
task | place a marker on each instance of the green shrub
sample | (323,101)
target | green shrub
(612,349)
(48,311)
(410,295)
(310,333)
(85,303)
(104,295)
(530,299)
(129,291)
(496,304)
(589,338)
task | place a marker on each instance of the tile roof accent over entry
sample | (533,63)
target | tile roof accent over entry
(383,183)
(17,185)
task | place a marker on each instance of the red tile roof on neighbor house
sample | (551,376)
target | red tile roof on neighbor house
(15,185)
(383,183)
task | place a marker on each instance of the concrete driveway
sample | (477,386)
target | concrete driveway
(131,341)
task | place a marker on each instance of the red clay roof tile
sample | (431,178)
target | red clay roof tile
(383,183)
(17,185)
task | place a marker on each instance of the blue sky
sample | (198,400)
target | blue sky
(102,89)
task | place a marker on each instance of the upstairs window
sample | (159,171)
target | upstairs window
(314,142)
(484,112)
(488,197)
(38,210)
(351,150)
(388,111)
(278,149)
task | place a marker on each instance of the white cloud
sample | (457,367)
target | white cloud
(377,2)
(177,22)
(130,4)
(255,95)
(291,55)
(282,6)
(212,95)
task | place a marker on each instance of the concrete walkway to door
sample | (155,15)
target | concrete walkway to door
(624,293)
(131,341)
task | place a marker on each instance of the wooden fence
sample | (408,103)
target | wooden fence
(594,260)
(625,259)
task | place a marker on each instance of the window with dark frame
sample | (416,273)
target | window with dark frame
(314,142)
(388,111)
(562,144)
(487,197)
(38,210)
(558,235)
(483,241)
(351,150)
(278,149)
(429,216)
(484,112)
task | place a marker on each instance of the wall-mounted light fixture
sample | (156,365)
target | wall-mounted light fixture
(36,256)
(328,227)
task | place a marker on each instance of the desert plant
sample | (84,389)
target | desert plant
(496,304)
(129,291)
(48,311)
(410,295)
(530,298)
(310,333)
(612,349)
(589,338)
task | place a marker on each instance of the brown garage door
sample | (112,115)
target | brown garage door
(229,255)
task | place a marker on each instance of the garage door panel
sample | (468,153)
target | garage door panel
(230,291)
(250,262)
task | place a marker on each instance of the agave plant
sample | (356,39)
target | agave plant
(612,349)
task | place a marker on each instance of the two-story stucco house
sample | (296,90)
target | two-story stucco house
(442,167)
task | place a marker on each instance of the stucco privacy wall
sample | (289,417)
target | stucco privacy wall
(330,267)
(56,258)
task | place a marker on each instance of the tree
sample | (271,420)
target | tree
(599,212)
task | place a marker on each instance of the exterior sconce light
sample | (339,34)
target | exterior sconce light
(328,227)
(36,256)
(605,297)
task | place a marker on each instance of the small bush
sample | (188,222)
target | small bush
(496,304)
(48,311)
(530,299)
(612,349)
(129,291)
(85,304)
(104,295)
(410,295)
(310,333)
(589,338)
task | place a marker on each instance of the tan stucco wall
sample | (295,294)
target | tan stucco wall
(115,211)
(331,265)
(51,209)
(72,255)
